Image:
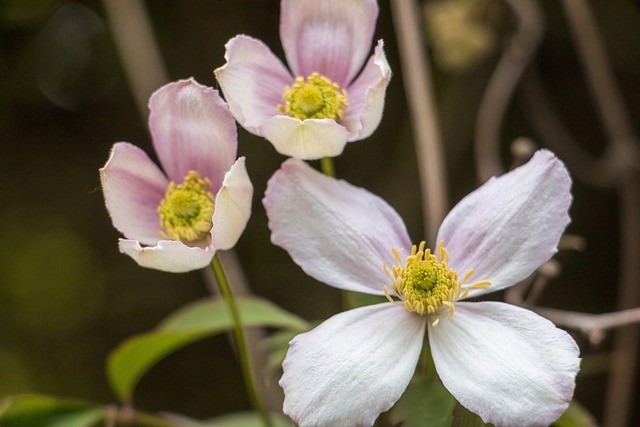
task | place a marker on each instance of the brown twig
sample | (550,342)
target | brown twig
(416,75)
(502,84)
(622,159)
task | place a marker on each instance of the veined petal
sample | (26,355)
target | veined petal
(233,207)
(506,364)
(168,255)
(509,226)
(308,139)
(332,38)
(366,96)
(133,188)
(352,367)
(192,129)
(253,81)
(337,233)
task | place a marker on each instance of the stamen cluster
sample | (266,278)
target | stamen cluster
(425,283)
(186,211)
(316,98)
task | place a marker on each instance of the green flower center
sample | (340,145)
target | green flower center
(187,209)
(426,284)
(316,98)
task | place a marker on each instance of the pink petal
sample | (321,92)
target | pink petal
(308,139)
(332,38)
(233,207)
(192,129)
(168,255)
(339,234)
(506,364)
(352,367)
(253,81)
(509,226)
(133,188)
(366,96)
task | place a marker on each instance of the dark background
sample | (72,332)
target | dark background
(67,297)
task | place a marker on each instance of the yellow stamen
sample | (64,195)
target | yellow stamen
(425,283)
(187,209)
(316,98)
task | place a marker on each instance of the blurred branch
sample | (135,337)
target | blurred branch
(622,159)
(141,58)
(417,81)
(502,84)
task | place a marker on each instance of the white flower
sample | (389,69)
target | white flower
(200,203)
(507,364)
(330,95)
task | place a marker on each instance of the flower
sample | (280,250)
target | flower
(200,203)
(505,363)
(312,111)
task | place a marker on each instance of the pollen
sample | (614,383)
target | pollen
(425,283)
(187,209)
(316,98)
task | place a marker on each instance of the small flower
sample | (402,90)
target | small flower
(200,203)
(313,110)
(505,363)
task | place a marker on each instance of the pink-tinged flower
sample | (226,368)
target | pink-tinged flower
(507,364)
(323,100)
(177,219)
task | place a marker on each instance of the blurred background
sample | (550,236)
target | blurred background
(68,297)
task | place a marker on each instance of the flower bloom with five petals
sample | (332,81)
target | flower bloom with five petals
(200,203)
(325,100)
(505,363)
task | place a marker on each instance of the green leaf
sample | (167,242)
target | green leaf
(576,416)
(44,411)
(424,404)
(462,417)
(240,419)
(198,320)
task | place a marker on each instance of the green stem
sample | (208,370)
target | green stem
(326,165)
(241,345)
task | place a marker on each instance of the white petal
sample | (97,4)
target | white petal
(339,234)
(509,226)
(506,364)
(253,81)
(332,38)
(168,255)
(309,139)
(233,207)
(366,96)
(352,367)
(133,188)
(192,129)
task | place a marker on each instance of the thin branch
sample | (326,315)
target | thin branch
(502,84)
(140,55)
(417,81)
(623,155)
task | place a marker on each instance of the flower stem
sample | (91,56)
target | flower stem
(241,345)
(326,165)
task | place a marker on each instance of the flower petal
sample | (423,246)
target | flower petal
(233,207)
(352,367)
(192,129)
(309,139)
(168,255)
(366,96)
(133,188)
(339,234)
(253,81)
(507,364)
(509,226)
(332,38)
